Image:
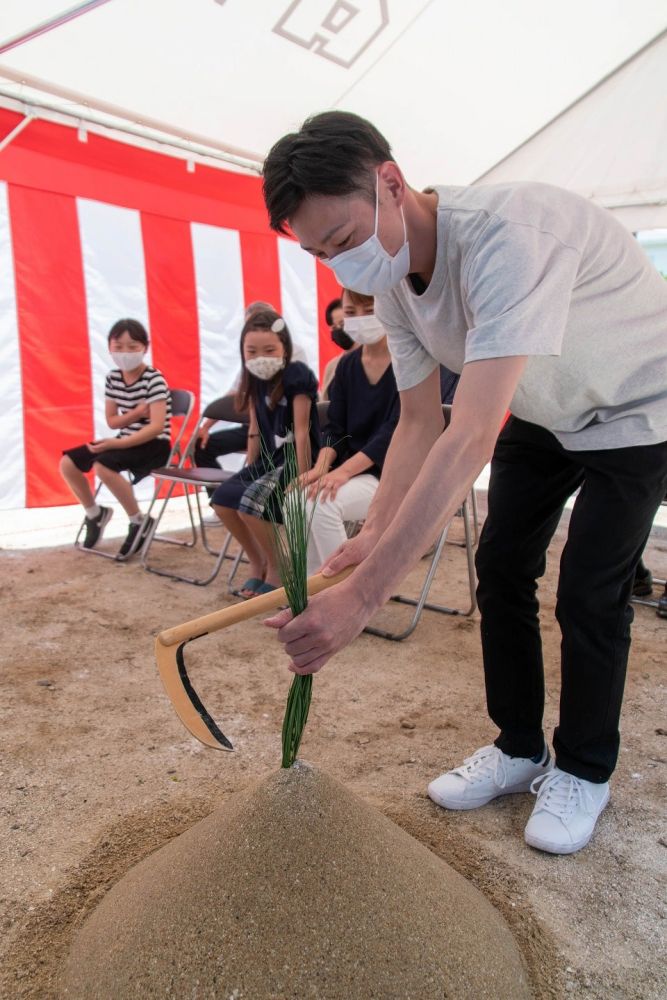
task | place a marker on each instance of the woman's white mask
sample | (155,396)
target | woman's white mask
(364,329)
(127,361)
(368,268)
(265,368)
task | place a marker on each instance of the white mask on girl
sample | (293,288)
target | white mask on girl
(127,361)
(265,368)
(364,329)
(369,268)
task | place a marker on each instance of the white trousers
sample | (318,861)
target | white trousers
(327,528)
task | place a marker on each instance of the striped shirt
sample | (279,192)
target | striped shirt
(151,387)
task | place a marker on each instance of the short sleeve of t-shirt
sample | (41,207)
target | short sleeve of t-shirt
(157,388)
(410,360)
(517,282)
(299,380)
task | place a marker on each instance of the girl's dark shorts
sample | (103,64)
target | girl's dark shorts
(139,461)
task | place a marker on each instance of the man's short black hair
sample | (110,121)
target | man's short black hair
(331,154)
(328,312)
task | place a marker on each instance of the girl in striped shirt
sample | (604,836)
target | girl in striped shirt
(138,406)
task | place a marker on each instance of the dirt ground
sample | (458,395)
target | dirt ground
(97,770)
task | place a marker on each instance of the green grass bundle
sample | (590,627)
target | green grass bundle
(291,540)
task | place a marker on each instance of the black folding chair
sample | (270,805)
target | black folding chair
(194,479)
(182,407)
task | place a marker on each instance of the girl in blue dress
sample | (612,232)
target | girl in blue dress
(279,395)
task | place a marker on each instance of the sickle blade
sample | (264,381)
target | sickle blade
(187,704)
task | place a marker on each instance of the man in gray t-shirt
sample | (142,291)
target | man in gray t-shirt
(550,311)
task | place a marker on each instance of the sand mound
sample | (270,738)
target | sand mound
(294,889)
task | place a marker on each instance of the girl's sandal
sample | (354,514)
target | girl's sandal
(252,586)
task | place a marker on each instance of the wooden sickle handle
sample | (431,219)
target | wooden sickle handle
(241,612)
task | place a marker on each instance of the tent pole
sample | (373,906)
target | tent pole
(252,160)
(47,112)
(16,131)
(53,22)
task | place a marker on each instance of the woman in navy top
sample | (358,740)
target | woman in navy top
(280,397)
(363,412)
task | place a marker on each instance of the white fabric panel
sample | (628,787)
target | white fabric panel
(115,282)
(610,145)
(368,56)
(219,282)
(298,286)
(12,468)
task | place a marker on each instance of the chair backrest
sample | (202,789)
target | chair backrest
(224,408)
(182,405)
(322,411)
(182,402)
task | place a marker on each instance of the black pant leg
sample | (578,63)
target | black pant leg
(221,443)
(531,479)
(608,529)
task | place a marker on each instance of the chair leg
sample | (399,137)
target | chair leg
(220,556)
(649,602)
(475,517)
(422,601)
(192,541)
(203,529)
(238,559)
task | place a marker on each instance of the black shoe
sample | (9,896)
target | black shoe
(662,605)
(95,526)
(132,533)
(643,583)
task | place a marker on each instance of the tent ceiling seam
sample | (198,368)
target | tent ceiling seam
(582,97)
(50,24)
(382,55)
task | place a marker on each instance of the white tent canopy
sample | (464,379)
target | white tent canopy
(454,85)
(611,145)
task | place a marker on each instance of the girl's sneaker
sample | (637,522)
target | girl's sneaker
(565,813)
(95,526)
(486,775)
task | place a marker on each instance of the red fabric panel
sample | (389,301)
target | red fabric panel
(53,329)
(172,300)
(50,157)
(261,269)
(327,289)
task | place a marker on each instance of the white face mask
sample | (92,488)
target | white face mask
(364,329)
(265,368)
(368,268)
(127,361)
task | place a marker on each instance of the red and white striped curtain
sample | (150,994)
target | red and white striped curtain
(92,232)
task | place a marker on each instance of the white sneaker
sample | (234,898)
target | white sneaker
(486,775)
(565,813)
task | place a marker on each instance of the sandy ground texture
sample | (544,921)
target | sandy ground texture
(97,771)
(295,887)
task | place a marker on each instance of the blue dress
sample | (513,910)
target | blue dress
(251,489)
